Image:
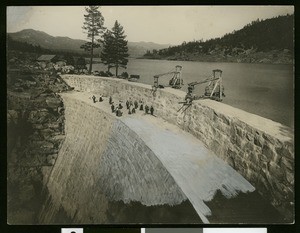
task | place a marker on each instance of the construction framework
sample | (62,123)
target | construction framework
(214,90)
(175,82)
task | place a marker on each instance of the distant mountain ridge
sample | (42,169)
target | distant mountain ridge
(47,41)
(35,37)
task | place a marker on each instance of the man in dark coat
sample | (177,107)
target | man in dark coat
(136,104)
(151,110)
(146,109)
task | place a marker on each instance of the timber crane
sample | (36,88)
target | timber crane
(214,90)
(175,82)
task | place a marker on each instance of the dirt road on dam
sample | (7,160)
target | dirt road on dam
(142,164)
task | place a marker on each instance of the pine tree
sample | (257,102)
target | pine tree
(108,49)
(93,26)
(119,46)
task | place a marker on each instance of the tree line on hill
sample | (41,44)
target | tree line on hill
(259,36)
(30,48)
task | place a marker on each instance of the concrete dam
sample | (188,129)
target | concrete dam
(184,159)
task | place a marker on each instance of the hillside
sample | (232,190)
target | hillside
(268,41)
(47,41)
(66,44)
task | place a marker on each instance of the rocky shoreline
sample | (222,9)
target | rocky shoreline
(238,56)
(35,131)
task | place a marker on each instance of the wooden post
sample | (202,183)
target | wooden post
(213,90)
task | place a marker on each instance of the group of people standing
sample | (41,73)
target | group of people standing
(94,98)
(131,106)
(117,109)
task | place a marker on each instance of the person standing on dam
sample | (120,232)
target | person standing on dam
(110,100)
(151,110)
(94,98)
(136,105)
(100,98)
(141,106)
(118,112)
(147,109)
(120,105)
(112,107)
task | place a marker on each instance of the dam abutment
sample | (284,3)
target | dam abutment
(260,149)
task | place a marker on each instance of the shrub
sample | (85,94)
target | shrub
(124,75)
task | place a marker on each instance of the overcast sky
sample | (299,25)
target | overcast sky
(159,24)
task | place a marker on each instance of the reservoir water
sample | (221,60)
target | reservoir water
(263,89)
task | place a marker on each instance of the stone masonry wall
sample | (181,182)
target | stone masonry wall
(260,149)
(100,162)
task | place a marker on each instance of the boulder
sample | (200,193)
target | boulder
(54,125)
(51,159)
(53,103)
(39,116)
(46,133)
(60,110)
(47,145)
(58,137)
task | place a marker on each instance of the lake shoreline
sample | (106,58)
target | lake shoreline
(232,62)
(275,57)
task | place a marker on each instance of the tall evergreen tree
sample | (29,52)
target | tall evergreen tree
(117,48)
(93,27)
(108,49)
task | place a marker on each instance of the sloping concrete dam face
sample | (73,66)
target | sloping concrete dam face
(103,160)
(261,150)
(131,159)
